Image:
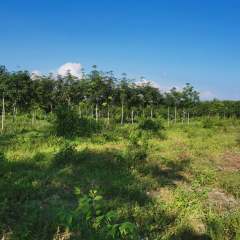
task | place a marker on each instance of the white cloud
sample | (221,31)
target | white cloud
(145,81)
(207,95)
(166,88)
(74,68)
(35,74)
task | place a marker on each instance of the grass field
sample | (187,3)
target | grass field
(182,184)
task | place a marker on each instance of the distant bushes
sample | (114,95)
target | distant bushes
(208,123)
(68,123)
(151,125)
(214,122)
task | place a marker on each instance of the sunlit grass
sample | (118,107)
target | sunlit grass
(167,196)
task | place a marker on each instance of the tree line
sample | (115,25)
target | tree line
(101,94)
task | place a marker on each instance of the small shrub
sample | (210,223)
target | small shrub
(67,154)
(137,149)
(69,124)
(66,122)
(150,125)
(94,221)
(208,123)
(214,122)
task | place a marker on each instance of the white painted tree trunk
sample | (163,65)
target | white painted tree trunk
(188,117)
(14,112)
(80,111)
(92,111)
(108,117)
(132,116)
(96,112)
(151,113)
(69,102)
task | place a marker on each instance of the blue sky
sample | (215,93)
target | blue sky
(169,42)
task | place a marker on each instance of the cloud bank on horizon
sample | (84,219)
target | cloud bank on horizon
(75,69)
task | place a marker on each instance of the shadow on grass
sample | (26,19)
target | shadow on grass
(34,191)
(105,171)
(169,173)
(15,136)
(188,234)
(6,139)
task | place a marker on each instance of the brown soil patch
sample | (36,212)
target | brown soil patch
(220,201)
(230,161)
(162,194)
(184,155)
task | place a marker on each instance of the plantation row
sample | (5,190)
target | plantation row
(99,94)
(68,122)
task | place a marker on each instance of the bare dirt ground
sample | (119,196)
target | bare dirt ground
(230,161)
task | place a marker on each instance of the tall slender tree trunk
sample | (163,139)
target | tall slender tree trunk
(3,113)
(122,113)
(96,112)
(151,113)
(108,116)
(188,117)
(92,111)
(183,116)
(69,102)
(80,111)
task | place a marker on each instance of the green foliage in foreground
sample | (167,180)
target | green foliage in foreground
(91,219)
(122,182)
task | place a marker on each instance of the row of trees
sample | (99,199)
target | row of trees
(100,93)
